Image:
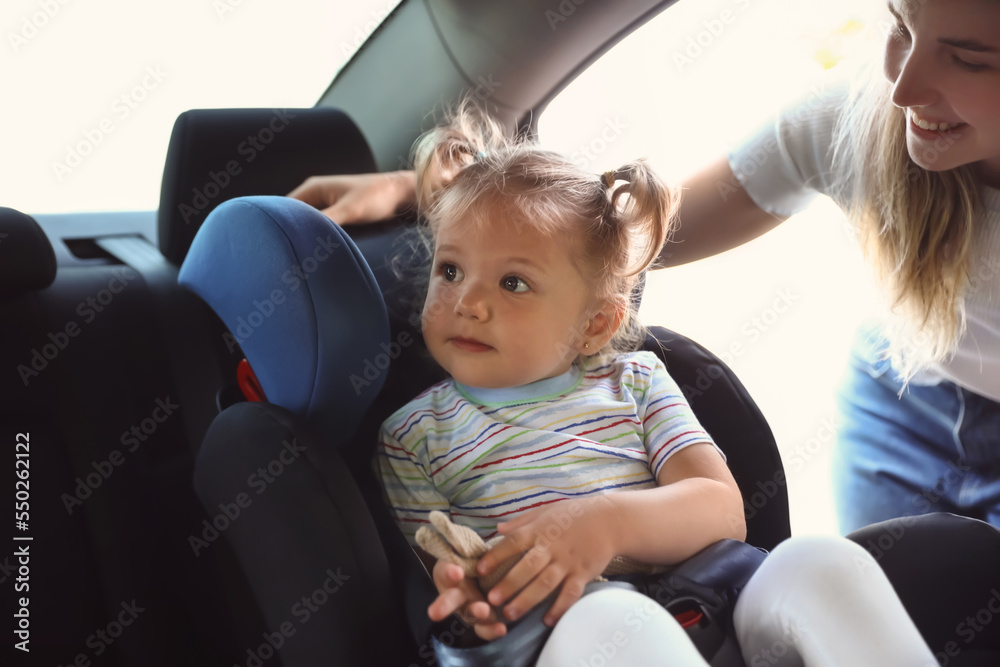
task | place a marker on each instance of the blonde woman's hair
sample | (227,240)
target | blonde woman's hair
(914,225)
(469,169)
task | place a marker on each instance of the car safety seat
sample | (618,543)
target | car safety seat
(322,514)
(287,481)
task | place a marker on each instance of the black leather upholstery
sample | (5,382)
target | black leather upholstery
(27,262)
(218,154)
(110,511)
(734,421)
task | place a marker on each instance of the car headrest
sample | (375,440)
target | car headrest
(295,293)
(27,261)
(218,154)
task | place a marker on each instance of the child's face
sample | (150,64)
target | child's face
(505,305)
(943,60)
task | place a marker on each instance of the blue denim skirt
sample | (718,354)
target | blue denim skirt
(933,448)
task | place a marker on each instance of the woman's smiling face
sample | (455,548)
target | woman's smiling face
(943,59)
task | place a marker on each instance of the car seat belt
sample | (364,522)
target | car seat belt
(197,374)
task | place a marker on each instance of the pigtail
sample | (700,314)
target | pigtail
(638,215)
(643,213)
(466,135)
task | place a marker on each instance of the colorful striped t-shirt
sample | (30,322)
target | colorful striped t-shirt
(485,455)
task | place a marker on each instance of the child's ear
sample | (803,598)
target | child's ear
(602,326)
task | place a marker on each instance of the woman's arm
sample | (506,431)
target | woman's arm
(716,214)
(359,198)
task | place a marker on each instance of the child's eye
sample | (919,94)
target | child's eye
(899,30)
(972,67)
(514,284)
(450,272)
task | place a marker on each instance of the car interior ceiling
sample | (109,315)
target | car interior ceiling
(160,346)
(512,55)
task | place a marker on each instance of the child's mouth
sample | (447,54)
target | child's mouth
(470,344)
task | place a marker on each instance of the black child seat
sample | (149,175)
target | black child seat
(333,577)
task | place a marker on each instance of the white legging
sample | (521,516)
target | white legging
(816,601)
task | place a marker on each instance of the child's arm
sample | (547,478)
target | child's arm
(569,543)
(696,503)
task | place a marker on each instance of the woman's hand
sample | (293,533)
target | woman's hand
(566,544)
(358,198)
(457,594)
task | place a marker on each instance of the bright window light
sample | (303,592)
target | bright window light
(93,88)
(781,310)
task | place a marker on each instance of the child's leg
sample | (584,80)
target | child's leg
(823,601)
(618,627)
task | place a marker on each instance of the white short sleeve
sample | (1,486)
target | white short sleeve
(669,424)
(788,160)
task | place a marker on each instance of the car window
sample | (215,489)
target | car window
(93,89)
(781,310)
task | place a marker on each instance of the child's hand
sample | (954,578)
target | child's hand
(567,544)
(456,593)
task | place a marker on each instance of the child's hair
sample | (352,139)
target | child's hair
(915,225)
(468,168)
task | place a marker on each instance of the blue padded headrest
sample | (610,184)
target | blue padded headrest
(27,261)
(299,298)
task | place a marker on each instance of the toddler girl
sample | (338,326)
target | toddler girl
(553,434)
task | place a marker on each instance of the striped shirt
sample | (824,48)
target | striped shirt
(485,455)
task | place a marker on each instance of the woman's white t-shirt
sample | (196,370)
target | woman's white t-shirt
(789,160)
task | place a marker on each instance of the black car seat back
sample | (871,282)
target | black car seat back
(111,501)
(219,154)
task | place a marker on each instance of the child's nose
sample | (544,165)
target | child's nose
(472,301)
